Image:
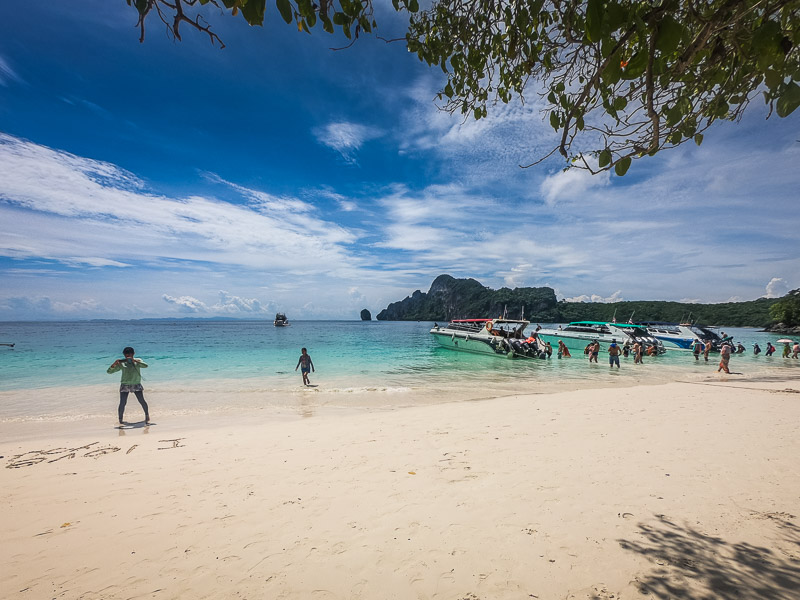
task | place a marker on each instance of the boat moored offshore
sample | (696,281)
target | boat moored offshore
(499,337)
(280,320)
(682,336)
(578,334)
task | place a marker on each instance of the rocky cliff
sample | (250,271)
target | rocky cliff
(451,298)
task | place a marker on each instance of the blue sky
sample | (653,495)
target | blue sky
(177,179)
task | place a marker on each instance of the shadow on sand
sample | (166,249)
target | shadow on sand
(689,564)
(139,425)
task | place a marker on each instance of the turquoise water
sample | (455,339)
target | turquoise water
(358,363)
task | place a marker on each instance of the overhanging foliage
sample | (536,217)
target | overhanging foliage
(620,79)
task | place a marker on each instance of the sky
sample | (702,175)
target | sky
(178,179)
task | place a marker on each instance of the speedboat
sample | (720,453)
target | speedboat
(281,320)
(499,337)
(578,334)
(682,336)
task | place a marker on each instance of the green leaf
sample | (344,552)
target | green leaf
(413,6)
(253,11)
(285,8)
(605,158)
(594,20)
(698,139)
(772,79)
(622,166)
(613,71)
(635,66)
(789,100)
(615,16)
(555,123)
(669,35)
(304,7)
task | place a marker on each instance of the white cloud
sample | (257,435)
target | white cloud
(572,185)
(7,74)
(75,210)
(186,303)
(777,287)
(43,306)
(234,304)
(615,297)
(345,138)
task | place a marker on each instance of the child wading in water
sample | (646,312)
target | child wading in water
(305,364)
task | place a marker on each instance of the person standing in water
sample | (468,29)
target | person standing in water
(613,354)
(305,364)
(706,349)
(131,381)
(697,349)
(724,358)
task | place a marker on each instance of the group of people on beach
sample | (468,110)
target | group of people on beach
(638,349)
(131,367)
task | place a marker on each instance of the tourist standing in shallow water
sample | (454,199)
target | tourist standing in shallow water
(131,381)
(613,354)
(724,358)
(638,353)
(706,349)
(696,350)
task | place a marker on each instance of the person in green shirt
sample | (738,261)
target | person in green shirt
(131,381)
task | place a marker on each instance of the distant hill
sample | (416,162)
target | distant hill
(451,298)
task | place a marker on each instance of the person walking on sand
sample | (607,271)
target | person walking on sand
(131,381)
(724,358)
(613,354)
(305,364)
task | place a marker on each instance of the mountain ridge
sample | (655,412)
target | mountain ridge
(450,298)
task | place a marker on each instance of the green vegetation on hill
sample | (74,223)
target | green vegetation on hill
(754,313)
(450,298)
(787,310)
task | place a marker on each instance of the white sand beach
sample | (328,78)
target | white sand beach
(685,490)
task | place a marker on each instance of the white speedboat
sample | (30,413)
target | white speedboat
(499,337)
(578,334)
(280,320)
(682,336)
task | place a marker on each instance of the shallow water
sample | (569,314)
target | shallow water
(205,366)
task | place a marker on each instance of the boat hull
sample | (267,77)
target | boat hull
(473,344)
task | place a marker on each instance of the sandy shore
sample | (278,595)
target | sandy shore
(686,490)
